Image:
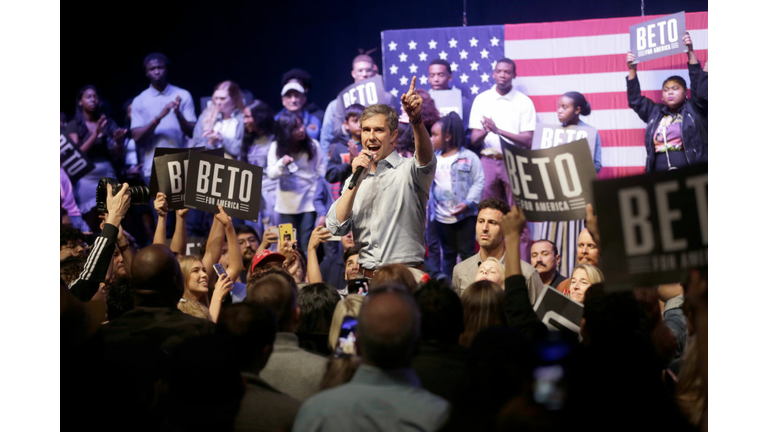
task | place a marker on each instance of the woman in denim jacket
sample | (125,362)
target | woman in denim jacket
(456,191)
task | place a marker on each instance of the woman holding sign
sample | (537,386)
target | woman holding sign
(295,160)
(565,235)
(676,135)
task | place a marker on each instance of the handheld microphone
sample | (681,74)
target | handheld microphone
(356,176)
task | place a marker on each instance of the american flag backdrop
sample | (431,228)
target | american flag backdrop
(587,56)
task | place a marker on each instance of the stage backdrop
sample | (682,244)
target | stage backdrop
(552,58)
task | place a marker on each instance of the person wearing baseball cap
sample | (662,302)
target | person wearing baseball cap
(265,259)
(294,99)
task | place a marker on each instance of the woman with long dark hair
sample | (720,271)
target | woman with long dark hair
(259,123)
(100,139)
(295,160)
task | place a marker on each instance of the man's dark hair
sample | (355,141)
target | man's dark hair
(494,203)
(156,56)
(554,247)
(248,327)
(508,61)
(119,298)
(442,315)
(443,63)
(354,110)
(317,302)
(275,290)
(246,229)
(304,78)
(70,235)
(678,79)
(354,250)
(388,349)
(70,269)
(156,277)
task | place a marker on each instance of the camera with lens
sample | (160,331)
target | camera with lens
(139,194)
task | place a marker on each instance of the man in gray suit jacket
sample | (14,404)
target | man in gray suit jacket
(491,241)
(290,369)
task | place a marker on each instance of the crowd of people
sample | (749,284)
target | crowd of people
(405,300)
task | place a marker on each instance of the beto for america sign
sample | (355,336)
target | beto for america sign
(551,184)
(653,227)
(214,181)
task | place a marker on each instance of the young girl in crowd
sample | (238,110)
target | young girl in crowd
(565,234)
(221,124)
(455,192)
(195,299)
(676,135)
(295,160)
(583,277)
(101,141)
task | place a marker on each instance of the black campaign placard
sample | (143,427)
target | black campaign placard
(162,151)
(659,37)
(171,172)
(214,181)
(72,160)
(653,227)
(551,184)
(366,92)
(558,311)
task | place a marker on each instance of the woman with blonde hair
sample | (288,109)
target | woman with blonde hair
(583,276)
(221,125)
(195,299)
(491,270)
(483,303)
(350,306)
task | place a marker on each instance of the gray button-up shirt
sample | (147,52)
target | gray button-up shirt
(389,212)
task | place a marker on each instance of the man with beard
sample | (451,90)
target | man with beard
(588,253)
(545,259)
(248,241)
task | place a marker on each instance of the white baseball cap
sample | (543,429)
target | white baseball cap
(292,86)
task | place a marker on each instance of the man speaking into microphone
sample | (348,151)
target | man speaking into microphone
(386,208)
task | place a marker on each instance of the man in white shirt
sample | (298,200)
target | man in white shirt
(151,124)
(500,111)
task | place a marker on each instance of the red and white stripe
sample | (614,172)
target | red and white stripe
(589,56)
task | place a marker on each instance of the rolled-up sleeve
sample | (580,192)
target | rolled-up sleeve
(423,175)
(332,223)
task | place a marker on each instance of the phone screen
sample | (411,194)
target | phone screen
(346,342)
(219,269)
(354,285)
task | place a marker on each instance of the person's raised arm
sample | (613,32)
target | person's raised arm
(95,270)
(179,240)
(639,103)
(412,105)
(517,306)
(270,236)
(161,207)
(235,257)
(319,235)
(691,54)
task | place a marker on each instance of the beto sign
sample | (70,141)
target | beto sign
(214,181)
(547,136)
(551,184)
(653,226)
(74,163)
(660,37)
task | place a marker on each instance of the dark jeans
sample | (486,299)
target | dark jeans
(432,260)
(304,224)
(456,239)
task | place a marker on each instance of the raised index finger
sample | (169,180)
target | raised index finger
(413,85)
